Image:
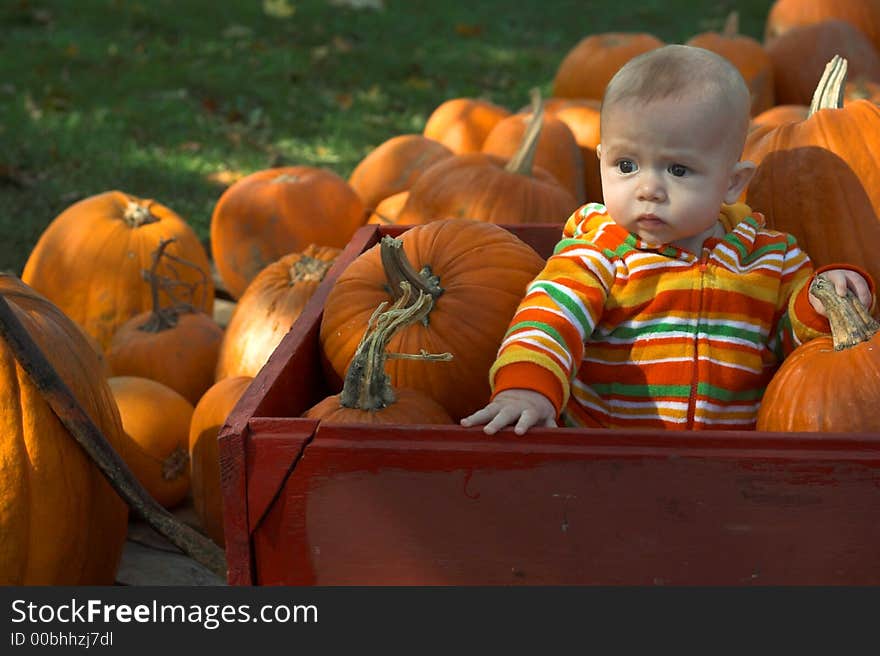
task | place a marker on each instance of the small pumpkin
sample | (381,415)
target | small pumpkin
(491,188)
(272,212)
(393,166)
(462,124)
(387,211)
(89,260)
(269,306)
(176,345)
(367,396)
(208,417)
(779,115)
(588,67)
(477,273)
(749,57)
(156,421)
(829,384)
(61,523)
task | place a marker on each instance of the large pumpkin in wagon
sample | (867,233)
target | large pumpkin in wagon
(477,273)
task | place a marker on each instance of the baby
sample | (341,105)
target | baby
(672,305)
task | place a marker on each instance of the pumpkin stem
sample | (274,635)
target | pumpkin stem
(524,157)
(176,464)
(399,269)
(829,91)
(367,386)
(731,25)
(137,213)
(308,268)
(164,318)
(851,323)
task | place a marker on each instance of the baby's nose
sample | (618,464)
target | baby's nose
(650,188)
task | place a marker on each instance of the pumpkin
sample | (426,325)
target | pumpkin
(176,345)
(393,166)
(785,15)
(749,57)
(268,308)
(829,384)
(89,260)
(780,114)
(818,179)
(272,212)
(156,421)
(491,188)
(462,124)
(208,417)
(582,116)
(556,151)
(477,273)
(589,66)
(799,57)
(367,397)
(61,523)
(388,210)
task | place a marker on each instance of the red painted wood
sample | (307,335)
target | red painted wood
(357,505)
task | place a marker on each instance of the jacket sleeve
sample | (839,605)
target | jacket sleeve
(544,343)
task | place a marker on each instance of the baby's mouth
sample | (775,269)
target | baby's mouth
(649,220)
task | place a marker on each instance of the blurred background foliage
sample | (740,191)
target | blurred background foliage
(175,100)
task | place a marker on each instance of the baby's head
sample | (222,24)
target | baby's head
(673,124)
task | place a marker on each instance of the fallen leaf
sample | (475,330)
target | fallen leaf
(344,100)
(225,178)
(342,44)
(468,30)
(237,32)
(378,5)
(278,8)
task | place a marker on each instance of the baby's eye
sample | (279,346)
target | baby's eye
(626,166)
(677,170)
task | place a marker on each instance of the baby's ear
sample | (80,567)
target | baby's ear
(599,151)
(739,177)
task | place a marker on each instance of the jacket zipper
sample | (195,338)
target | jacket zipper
(692,399)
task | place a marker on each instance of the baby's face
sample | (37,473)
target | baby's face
(667,166)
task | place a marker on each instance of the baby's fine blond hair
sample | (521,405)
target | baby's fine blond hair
(683,72)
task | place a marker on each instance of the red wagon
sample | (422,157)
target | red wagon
(441,505)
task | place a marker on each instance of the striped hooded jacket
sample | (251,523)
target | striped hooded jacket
(620,333)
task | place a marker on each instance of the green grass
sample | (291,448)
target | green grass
(168,99)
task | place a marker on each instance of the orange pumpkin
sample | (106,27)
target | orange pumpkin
(829,384)
(556,151)
(462,124)
(588,67)
(208,417)
(268,308)
(156,422)
(388,210)
(784,15)
(818,179)
(61,523)
(478,273)
(582,116)
(393,166)
(749,57)
(799,57)
(780,114)
(270,213)
(89,260)
(175,345)
(490,188)
(367,397)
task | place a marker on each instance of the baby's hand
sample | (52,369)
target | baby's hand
(844,279)
(521,407)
